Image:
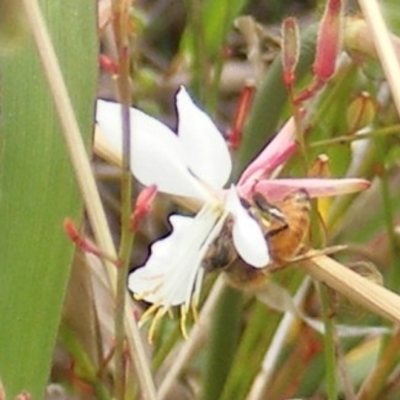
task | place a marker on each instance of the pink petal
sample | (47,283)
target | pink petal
(274,154)
(276,189)
(207,153)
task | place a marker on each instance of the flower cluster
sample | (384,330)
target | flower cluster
(195,163)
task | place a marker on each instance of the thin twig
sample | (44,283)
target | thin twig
(86,181)
(375,383)
(195,338)
(340,140)
(263,378)
(121,16)
(368,294)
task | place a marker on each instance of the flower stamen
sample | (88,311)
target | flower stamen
(148,313)
(193,308)
(161,311)
(183,319)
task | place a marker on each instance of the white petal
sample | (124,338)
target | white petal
(169,276)
(151,280)
(207,153)
(247,235)
(157,156)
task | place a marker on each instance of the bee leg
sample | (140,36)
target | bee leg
(311,253)
(276,230)
(319,252)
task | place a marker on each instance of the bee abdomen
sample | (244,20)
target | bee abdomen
(245,277)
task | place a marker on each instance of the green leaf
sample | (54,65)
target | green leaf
(37,191)
(217,20)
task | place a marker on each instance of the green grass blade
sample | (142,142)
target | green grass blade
(217,20)
(37,191)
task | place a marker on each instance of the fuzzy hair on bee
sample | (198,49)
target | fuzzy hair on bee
(285,225)
(222,256)
(286,236)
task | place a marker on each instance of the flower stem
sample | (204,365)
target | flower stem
(299,132)
(382,149)
(340,140)
(82,361)
(223,343)
(195,340)
(124,255)
(263,380)
(378,378)
(329,343)
(121,19)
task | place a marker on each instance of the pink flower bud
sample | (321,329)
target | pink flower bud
(328,46)
(360,112)
(329,41)
(108,65)
(85,244)
(290,49)
(320,167)
(242,111)
(143,205)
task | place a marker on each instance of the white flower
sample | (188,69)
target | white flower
(194,163)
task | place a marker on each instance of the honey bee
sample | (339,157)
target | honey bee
(285,225)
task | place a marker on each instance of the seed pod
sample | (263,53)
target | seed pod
(360,112)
